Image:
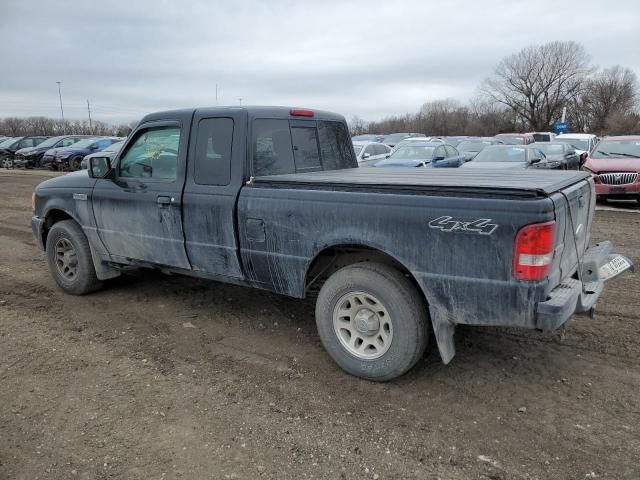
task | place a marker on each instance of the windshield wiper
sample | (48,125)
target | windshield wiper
(624,154)
(603,153)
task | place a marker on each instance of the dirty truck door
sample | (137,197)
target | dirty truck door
(214,179)
(138,214)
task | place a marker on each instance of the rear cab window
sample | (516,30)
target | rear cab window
(282,146)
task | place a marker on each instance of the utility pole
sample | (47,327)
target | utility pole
(216,94)
(89,110)
(61,110)
(240,100)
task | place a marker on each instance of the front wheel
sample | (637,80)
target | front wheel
(372,321)
(69,259)
(75,163)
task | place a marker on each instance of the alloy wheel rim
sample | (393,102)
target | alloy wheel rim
(66,259)
(363,325)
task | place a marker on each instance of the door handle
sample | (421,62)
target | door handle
(164,201)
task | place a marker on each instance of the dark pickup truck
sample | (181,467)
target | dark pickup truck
(272,198)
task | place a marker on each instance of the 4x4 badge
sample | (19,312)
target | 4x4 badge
(482,226)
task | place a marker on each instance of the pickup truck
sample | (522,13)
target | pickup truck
(272,198)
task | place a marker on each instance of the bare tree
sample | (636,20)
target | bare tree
(613,91)
(357,126)
(536,82)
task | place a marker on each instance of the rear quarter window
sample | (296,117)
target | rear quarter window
(281,147)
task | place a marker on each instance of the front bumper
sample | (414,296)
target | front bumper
(37,225)
(627,190)
(580,295)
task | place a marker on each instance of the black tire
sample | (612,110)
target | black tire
(74,163)
(406,309)
(84,280)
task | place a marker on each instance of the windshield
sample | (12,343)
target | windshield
(550,148)
(358,148)
(542,137)
(50,142)
(87,142)
(114,147)
(576,143)
(414,152)
(7,143)
(617,149)
(501,154)
(472,146)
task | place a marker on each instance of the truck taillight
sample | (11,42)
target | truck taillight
(534,251)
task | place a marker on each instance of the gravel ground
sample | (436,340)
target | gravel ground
(160,377)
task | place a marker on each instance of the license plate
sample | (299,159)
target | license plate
(617,190)
(614,268)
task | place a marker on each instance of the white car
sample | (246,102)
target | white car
(583,143)
(369,153)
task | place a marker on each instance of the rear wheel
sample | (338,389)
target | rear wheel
(69,259)
(372,321)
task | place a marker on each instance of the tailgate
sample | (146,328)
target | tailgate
(573,227)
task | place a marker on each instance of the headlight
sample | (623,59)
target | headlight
(553,164)
(64,156)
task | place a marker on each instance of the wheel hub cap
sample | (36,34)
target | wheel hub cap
(363,325)
(366,322)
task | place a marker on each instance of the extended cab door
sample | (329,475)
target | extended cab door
(138,214)
(214,178)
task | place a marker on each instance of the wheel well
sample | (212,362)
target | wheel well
(336,257)
(53,217)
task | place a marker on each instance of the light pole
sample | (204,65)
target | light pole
(61,110)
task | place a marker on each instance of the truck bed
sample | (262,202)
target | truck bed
(527,183)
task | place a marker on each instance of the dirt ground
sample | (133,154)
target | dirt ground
(160,377)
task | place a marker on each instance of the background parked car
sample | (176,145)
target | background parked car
(367,138)
(31,157)
(543,136)
(368,153)
(109,152)
(471,146)
(508,157)
(516,138)
(615,166)
(71,157)
(424,154)
(412,140)
(451,140)
(395,138)
(561,153)
(582,142)
(9,147)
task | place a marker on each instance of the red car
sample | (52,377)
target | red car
(614,164)
(516,138)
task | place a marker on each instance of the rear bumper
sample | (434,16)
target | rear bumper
(576,296)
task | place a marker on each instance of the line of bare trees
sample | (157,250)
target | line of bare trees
(17,127)
(527,92)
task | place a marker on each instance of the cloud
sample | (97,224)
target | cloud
(367,58)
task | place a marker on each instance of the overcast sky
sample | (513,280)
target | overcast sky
(367,58)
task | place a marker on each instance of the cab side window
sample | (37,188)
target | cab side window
(213,151)
(152,154)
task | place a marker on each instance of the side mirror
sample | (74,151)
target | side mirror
(365,156)
(534,161)
(99,167)
(387,155)
(437,159)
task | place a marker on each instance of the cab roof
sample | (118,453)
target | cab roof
(252,111)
